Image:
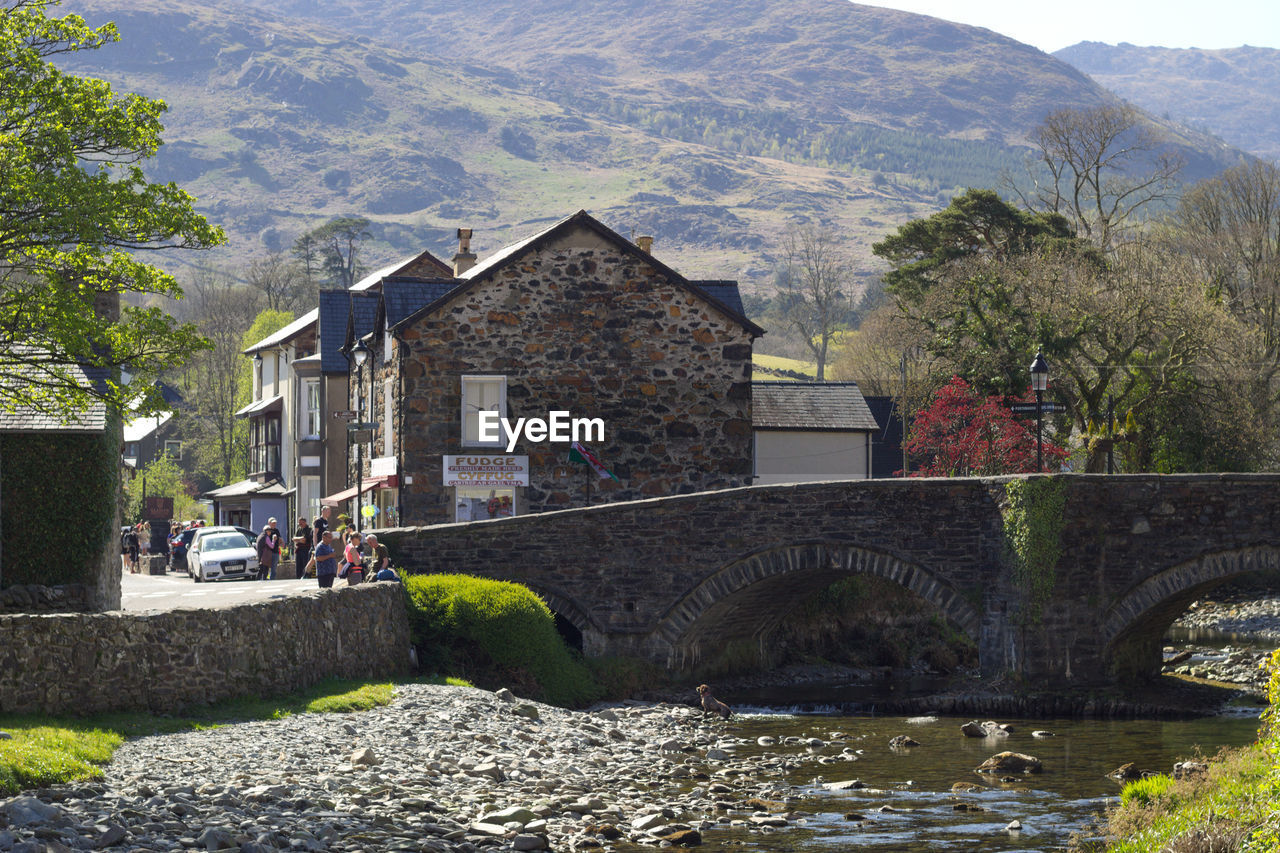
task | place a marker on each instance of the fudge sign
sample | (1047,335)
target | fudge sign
(479,469)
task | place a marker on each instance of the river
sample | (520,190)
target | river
(908,806)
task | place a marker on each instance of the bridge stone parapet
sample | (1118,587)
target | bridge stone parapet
(676,579)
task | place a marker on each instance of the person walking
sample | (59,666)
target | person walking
(130,546)
(268,551)
(144,538)
(302,542)
(325,560)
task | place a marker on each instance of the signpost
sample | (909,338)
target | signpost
(1048,407)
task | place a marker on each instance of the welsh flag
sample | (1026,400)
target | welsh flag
(579,454)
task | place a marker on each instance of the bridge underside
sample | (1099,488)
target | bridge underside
(747,601)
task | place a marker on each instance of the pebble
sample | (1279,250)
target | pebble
(442,769)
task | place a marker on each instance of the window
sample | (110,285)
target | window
(131,450)
(310,408)
(173,449)
(264,444)
(386,418)
(483,394)
(309,497)
(478,503)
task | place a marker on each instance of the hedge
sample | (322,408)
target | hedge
(497,634)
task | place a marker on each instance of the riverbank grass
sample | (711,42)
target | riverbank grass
(1233,807)
(41,751)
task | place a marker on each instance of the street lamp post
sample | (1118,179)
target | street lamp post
(361,354)
(1039,382)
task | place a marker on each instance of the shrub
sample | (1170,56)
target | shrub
(1144,792)
(497,634)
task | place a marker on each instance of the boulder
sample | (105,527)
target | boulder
(973,728)
(903,740)
(1185,769)
(363,757)
(1127,773)
(684,838)
(1010,762)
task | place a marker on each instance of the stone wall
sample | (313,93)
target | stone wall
(674,579)
(582,326)
(80,663)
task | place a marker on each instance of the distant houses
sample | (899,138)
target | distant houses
(437,378)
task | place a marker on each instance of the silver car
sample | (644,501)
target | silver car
(221,553)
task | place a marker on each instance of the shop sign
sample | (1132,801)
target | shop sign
(486,470)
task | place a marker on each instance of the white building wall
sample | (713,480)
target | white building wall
(784,456)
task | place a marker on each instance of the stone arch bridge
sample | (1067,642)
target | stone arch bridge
(673,579)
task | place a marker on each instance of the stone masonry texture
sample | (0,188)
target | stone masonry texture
(674,579)
(579,325)
(83,663)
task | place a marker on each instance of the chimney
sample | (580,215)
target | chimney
(464,260)
(645,244)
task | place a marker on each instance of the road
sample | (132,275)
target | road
(171,591)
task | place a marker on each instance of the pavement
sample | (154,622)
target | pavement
(173,590)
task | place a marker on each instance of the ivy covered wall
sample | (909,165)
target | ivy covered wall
(58,505)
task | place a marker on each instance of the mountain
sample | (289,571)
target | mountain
(714,127)
(1233,93)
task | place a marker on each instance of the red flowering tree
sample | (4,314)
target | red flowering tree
(963,435)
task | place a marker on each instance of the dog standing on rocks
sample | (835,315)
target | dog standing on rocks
(712,705)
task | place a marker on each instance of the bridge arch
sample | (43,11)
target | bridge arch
(1132,629)
(750,596)
(565,609)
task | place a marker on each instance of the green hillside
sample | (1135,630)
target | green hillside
(502,116)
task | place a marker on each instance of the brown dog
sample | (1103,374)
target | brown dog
(712,705)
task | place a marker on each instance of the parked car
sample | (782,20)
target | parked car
(220,553)
(178,550)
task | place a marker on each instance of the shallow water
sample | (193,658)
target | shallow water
(1067,798)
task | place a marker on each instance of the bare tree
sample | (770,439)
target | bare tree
(1104,166)
(280,282)
(815,279)
(226,313)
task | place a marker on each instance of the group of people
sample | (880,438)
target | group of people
(341,553)
(135,543)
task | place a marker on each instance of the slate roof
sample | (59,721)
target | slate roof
(723,291)
(136,429)
(364,311)
(31,419)
(245,488)
(403,296)
(810,406)
(335,308)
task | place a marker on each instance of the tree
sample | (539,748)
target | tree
(1104,166)
(283,285)
(162,477)
(964,434)
(977,223)
(212,378)
(338,244)
(75,213)
(816,279)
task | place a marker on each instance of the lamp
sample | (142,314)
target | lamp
(359,354)
(1039,382)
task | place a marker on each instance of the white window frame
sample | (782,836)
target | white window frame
(309,496)
(386,417)
(311,415)
(470,386)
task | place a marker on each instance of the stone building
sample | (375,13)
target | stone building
(575,320)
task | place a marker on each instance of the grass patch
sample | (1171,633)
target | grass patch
(1234,807)
(43,751)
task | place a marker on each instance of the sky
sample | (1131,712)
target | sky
(1052,26)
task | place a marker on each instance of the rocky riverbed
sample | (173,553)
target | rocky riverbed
(440,769)
(1250,621)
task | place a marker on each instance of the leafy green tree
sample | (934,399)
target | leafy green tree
(76,212)
(336,247)
(977,223)
(163,477)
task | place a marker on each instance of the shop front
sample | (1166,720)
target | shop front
(486,485)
